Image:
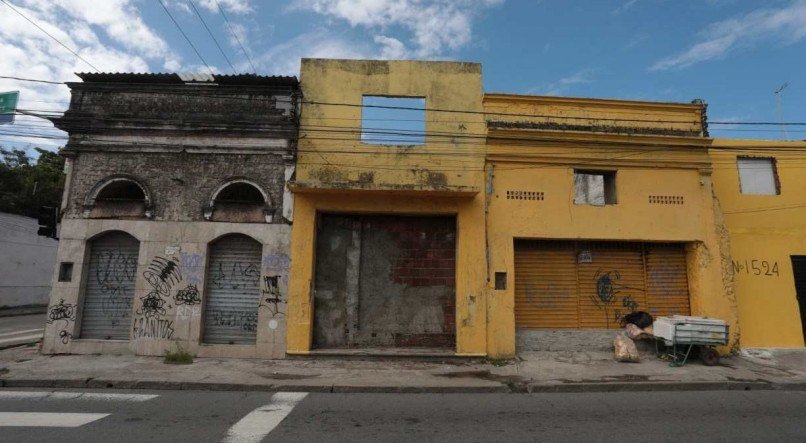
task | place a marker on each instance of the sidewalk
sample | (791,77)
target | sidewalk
(531,372)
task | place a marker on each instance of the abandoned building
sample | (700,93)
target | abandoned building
(387,241)
(176,216)
(428,217)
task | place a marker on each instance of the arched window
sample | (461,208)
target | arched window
(239,201)
(118,197)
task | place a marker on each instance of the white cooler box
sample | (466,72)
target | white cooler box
(687,329)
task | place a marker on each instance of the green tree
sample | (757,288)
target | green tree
(26,185)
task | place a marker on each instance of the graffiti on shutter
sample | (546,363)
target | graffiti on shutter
(109,287)
(233,291)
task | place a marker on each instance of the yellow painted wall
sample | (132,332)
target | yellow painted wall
(330,150)
(337,173)
(765,230)
(524,159)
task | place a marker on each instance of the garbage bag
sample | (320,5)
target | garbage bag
(625,349)
(634,332)
(641,319)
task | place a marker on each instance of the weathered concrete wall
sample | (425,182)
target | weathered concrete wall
(181,185)
(765,232)
(26,262)
(470,306)
(181,143)
(653,164)
(186,244)
(385,281)
(434,166)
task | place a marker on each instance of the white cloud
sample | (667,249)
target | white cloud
(284,58)
(110,34)
(624,7)
(235,6)
(785,25)
(392,48)
(435,26)
(562,85)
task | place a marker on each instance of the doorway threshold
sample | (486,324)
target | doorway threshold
(385,352)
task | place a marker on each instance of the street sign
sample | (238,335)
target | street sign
(8,106)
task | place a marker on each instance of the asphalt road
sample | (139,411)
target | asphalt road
(21,329)
(177,416)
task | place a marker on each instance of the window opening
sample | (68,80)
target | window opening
(594,187)
(240,193)
(121,190)
(758,176)
(393,120)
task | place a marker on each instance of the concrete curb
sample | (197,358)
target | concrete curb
(520,388)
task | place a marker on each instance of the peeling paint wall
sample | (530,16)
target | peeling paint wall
(385,281)
(663,193)
(337,173)
(764,231)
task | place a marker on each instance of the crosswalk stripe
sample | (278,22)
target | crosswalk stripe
(60,395)
(47,419)
(256,425)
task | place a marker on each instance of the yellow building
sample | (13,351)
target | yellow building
(761,188)
(431,218)
(388,227)
(595,209)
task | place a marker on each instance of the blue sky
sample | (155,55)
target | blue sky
(732,53)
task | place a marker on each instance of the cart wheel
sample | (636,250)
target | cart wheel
(709,356)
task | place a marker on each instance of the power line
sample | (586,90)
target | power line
(459,111)
(52,37)
(30,79)
(198,14)
(234,34)
(184,35)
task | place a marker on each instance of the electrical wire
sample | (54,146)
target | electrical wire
(184,35)
(198,14)
(234,34)
(505,114)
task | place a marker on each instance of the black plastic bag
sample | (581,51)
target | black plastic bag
(638,318)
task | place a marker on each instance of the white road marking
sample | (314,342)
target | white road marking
(47,419)
(59,395)
(256,425)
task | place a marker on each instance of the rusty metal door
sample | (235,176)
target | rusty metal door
(233,291)
(385,281)
(593,285)
(667,280)
(546,285)
(109,287)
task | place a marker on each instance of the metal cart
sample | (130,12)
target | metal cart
(680,334)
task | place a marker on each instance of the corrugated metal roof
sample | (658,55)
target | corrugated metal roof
(172,78)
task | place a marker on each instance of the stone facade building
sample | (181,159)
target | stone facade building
(175,219)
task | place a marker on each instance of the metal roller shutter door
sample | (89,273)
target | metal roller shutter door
(233,291)
(611,285)
(545,285)
(109,288)
(667,280)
